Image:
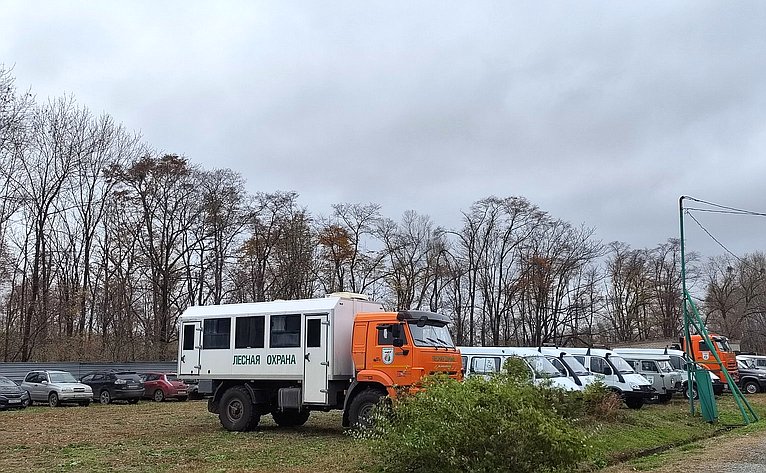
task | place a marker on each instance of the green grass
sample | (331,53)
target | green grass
(174,436)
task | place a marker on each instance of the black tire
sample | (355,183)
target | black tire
(159,395)
(751,387)
(53,399)
(361,407)
(236,410)
(85,403)
(105,397)
(634,402)
(133,400)
(290,418)
(695,393)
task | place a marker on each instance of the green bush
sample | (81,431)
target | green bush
(481,425)
(601,402)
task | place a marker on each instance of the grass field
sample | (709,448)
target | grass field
(176,436)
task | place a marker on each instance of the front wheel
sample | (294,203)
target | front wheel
(53,400)
(159,395)
(290,418)
(634,402)
(751,387)
(105,397)
(361,407)
(236,410)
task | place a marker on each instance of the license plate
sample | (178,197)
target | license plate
(14,401)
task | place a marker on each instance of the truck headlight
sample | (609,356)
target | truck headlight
(67,390)
(634,387)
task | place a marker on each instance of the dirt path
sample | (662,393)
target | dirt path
(734,452)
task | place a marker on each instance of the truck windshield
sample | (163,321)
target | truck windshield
(431,336)
(575,365)
(622,366)
(722,344)
(542,367)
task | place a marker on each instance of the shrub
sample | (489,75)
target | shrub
(601,402)
(481,425)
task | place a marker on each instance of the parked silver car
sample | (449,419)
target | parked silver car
(56,387)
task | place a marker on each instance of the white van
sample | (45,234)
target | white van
(616,373)
(488,360)
(656,368)
(569,366)
(678,360)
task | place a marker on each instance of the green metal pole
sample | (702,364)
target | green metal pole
(687,335)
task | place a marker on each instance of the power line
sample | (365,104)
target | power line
(714,238)
(730,209)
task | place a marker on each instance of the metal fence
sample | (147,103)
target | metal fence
(17,371)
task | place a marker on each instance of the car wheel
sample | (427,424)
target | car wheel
(751,387)
(159,395)
(105,397)
(53,399)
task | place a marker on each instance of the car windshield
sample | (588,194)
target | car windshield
(62,378)
(664,366)
(431,336)
(575,365)
(622,366)
(542,367)
(6,382)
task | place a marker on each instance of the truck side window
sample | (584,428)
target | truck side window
(599,365)
(285,331)
(559,366)
(703,346)
(216,334)
(313,333)
(465,362)
(648,366)
(385,335)
(188,342)
(249,332)
(485,365)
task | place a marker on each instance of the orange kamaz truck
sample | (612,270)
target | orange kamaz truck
(288,358)
(703,354)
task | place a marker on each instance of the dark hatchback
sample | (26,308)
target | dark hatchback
(110,386)
(11,395)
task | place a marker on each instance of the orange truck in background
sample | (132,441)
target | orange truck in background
(289,358)
(703,354)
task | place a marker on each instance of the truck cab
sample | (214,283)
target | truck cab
(703,354)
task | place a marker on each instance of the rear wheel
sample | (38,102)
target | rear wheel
(634,402)
(53,400)
(236,410)
(159,395)
(105,397)
(290,418)
(361,407)
(752,387)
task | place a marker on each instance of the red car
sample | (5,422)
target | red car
(161,386)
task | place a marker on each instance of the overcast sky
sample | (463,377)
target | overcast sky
(601,113)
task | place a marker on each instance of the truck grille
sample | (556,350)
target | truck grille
(79,390)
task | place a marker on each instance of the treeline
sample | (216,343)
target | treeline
(105,241)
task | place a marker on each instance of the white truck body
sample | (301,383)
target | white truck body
(491,360)
(304,340)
